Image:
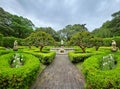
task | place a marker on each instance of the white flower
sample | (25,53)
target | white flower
(21,59)
(18,59)
(14,60)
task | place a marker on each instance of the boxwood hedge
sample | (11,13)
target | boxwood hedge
(99,79)
(45,58)
(78,57)
(18,78)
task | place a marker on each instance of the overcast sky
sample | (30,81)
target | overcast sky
(59,13)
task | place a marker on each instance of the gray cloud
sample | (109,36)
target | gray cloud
(59,13)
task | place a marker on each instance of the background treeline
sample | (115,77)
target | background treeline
(13,27)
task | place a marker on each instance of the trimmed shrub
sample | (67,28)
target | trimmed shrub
(99,79)
(2,48)
(2,52)
(8,41)
(46,49)
(18,78)
(80,57)
(45,58)
(108,41)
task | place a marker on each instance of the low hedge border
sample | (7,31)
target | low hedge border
(78,57)
(45,58)
(18,78)
(98,79)
(2,52)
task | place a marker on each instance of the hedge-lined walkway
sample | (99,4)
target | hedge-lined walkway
(61,74)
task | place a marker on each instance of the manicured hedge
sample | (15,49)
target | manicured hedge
(18,78)
(45,58)
(78,57)
(9,41)
(5,52)
(108,41)
(99,79)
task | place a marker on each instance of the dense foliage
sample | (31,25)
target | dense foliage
(1,39)
(50,31)
(13,25)
(67,32)
(109,28)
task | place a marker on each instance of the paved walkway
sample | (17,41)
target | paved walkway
(61,74)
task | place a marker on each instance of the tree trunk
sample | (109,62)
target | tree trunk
(96,48)
(41,47)
(83,49)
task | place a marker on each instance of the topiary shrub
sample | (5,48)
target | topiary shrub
(18,78)
(99,79)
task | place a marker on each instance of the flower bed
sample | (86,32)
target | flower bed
(18,78)
(101,79)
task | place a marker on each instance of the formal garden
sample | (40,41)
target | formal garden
(25,52)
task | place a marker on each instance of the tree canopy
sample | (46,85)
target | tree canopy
(109,28)
(67,32)
(39,39)
(13,25)
(50,31)
(81,39)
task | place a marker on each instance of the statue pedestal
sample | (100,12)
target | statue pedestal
(114,49)
(15,48)
(61,50)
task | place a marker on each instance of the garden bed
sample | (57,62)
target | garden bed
(99,79)
(18,78)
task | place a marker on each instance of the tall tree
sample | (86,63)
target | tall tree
(81,39)
(67,32)
(40,39)
(50,31)
(13,25)
(109,28)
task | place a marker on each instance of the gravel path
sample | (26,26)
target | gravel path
(61,74)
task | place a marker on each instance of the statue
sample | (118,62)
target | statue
(62,47)
(62,42)
(15,48)
(114,48)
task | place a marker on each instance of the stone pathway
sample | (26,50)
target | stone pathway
(61,74)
